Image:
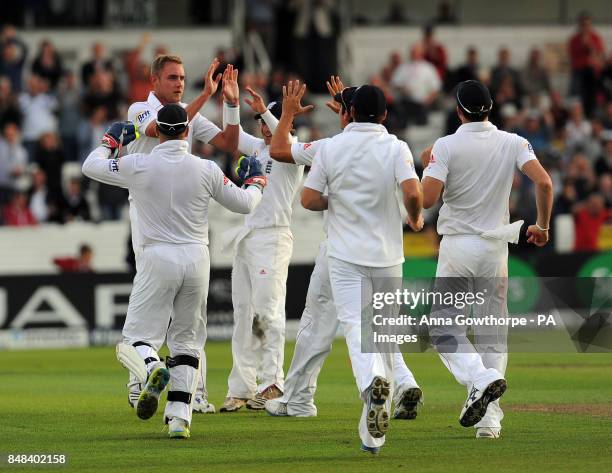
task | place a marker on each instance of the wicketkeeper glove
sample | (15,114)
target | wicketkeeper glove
(120,134)
(249,170)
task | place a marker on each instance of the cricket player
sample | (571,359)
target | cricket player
(259,274)
(319,324)
(171,190)
(475,167)
(168,82)
(361,169)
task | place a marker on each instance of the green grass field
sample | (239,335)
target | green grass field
(558,418)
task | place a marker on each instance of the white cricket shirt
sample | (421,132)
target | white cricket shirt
(284,181)
(476,165)
(171,190)
(362,168)
(143,113)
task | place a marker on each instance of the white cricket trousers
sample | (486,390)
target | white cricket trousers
(351,284)
(259,287)
(316,333)
(138,249)
(485,263)
(172,280)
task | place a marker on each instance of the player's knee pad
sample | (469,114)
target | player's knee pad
(183,377)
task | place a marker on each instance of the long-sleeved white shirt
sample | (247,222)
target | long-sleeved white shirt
(171,190)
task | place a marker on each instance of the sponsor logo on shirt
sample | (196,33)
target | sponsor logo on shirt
(263,271)
(529,147)
(269,167)
(307,145)
(225,180)
(432,159)
(113,165)
(142,117)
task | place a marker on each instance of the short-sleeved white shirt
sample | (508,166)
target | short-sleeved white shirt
(362,168)
(143,113)
(284,179)
(476,165)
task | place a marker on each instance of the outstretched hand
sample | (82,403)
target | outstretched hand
(211,83)
(334,86)
(292,97)
(256,101)
(231,92)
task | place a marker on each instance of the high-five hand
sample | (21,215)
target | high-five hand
(211,83)
(292,97)
(256,102)
(231,92)
(334,86)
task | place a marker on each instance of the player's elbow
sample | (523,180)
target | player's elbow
(277,151)
(310,199)
(544,183)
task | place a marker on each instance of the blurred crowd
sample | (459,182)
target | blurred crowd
(51,116)
(570,130)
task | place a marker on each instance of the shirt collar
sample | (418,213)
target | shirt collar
(365,126)
(476,126)
(179,147)
(154,101)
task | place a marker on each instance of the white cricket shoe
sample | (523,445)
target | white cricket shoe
(149,397)
(475,406)
(377,417)
(202,406)
(407,402)
(178,429)
(487,433)
(276,408)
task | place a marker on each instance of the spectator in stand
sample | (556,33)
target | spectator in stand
(90,132)
(17,213)
(9,105)
(435,53)
(38,109)
(467,71)
(604,164)
(138,72)
(589,217)
(565,201)
(74,206)
(49,156)
(445,15)
(48,64)
(581,172)
(13,161)
(605,79)
(98,62)
(536,131)
(102,92)
(593,146)
(506,104)
(558,111)
(586,51)
(43,204)
(578,128)
(13,54)
(605,188)
(80,264)
(534,75)
(502,70)
(607,116)
(418,85)
(69,100)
